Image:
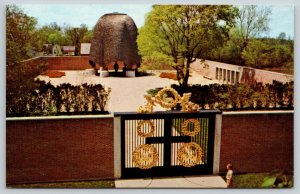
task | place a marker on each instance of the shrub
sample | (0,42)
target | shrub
(45,99)
(240,96)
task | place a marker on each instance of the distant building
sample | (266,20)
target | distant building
(85,48)
(69,50)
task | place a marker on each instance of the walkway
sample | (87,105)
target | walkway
(174,182)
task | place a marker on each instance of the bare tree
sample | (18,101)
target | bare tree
(252,21)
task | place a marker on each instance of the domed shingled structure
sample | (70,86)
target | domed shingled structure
(114,39)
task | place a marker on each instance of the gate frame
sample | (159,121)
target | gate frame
(118,144)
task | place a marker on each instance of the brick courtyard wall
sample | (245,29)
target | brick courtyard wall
(257,142)
(59,149)
(82,148)
(68,62)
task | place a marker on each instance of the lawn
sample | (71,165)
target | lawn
(81,184)
(256,180)
(251,180)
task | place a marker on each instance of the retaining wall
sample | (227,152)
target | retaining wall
(231,74)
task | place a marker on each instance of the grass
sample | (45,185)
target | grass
(79,184)
(251,180)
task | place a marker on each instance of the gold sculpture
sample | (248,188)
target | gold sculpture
(145,156)
(185,130)
(184,102)
(189,154)
(139,128)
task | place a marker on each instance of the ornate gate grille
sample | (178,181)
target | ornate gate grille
(167,143)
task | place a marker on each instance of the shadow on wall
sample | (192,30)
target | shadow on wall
(248,76)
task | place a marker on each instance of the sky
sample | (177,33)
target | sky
(281,18)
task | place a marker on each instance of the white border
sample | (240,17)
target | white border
(236,2)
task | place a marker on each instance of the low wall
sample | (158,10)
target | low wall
(59,149)
(246,75)
(68,62)
(53,149)
(257,141)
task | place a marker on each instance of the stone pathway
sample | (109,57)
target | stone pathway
(174,182)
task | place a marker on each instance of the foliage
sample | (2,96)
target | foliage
(19,82)
(250,180)
(246,46)
(76,35)
(45,99)
(174,30)
(279,179)
(157,61)
(265,54)
(19,35)
(252,21)
(240,96)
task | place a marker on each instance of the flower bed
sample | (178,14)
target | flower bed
(53,74)
(172,76)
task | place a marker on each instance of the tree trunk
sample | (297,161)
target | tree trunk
(186,74)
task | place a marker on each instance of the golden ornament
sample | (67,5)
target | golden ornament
(185,130)
(164,103)
(145,156)
(139,128)
(189,154)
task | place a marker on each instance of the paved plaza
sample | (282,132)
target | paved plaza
(127,92)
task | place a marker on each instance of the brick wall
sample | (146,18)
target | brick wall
(45,150)
(257,142)
(59,149)
(68,63)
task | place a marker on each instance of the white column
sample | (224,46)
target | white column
(117,147)
(217,143)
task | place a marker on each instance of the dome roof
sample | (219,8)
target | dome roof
(114,39)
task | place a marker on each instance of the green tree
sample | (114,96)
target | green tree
(55,38)
(19,30)
(50,34)
(185,32)
(87,38)
(76,35)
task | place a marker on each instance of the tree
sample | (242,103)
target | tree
(87,38)
(19,30)
(252,21)
(76,35)
(185,32)
(282,36)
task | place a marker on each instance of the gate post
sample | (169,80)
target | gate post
(217,143)
(117,146)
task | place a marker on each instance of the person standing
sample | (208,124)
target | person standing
(229,176)
(116,66)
